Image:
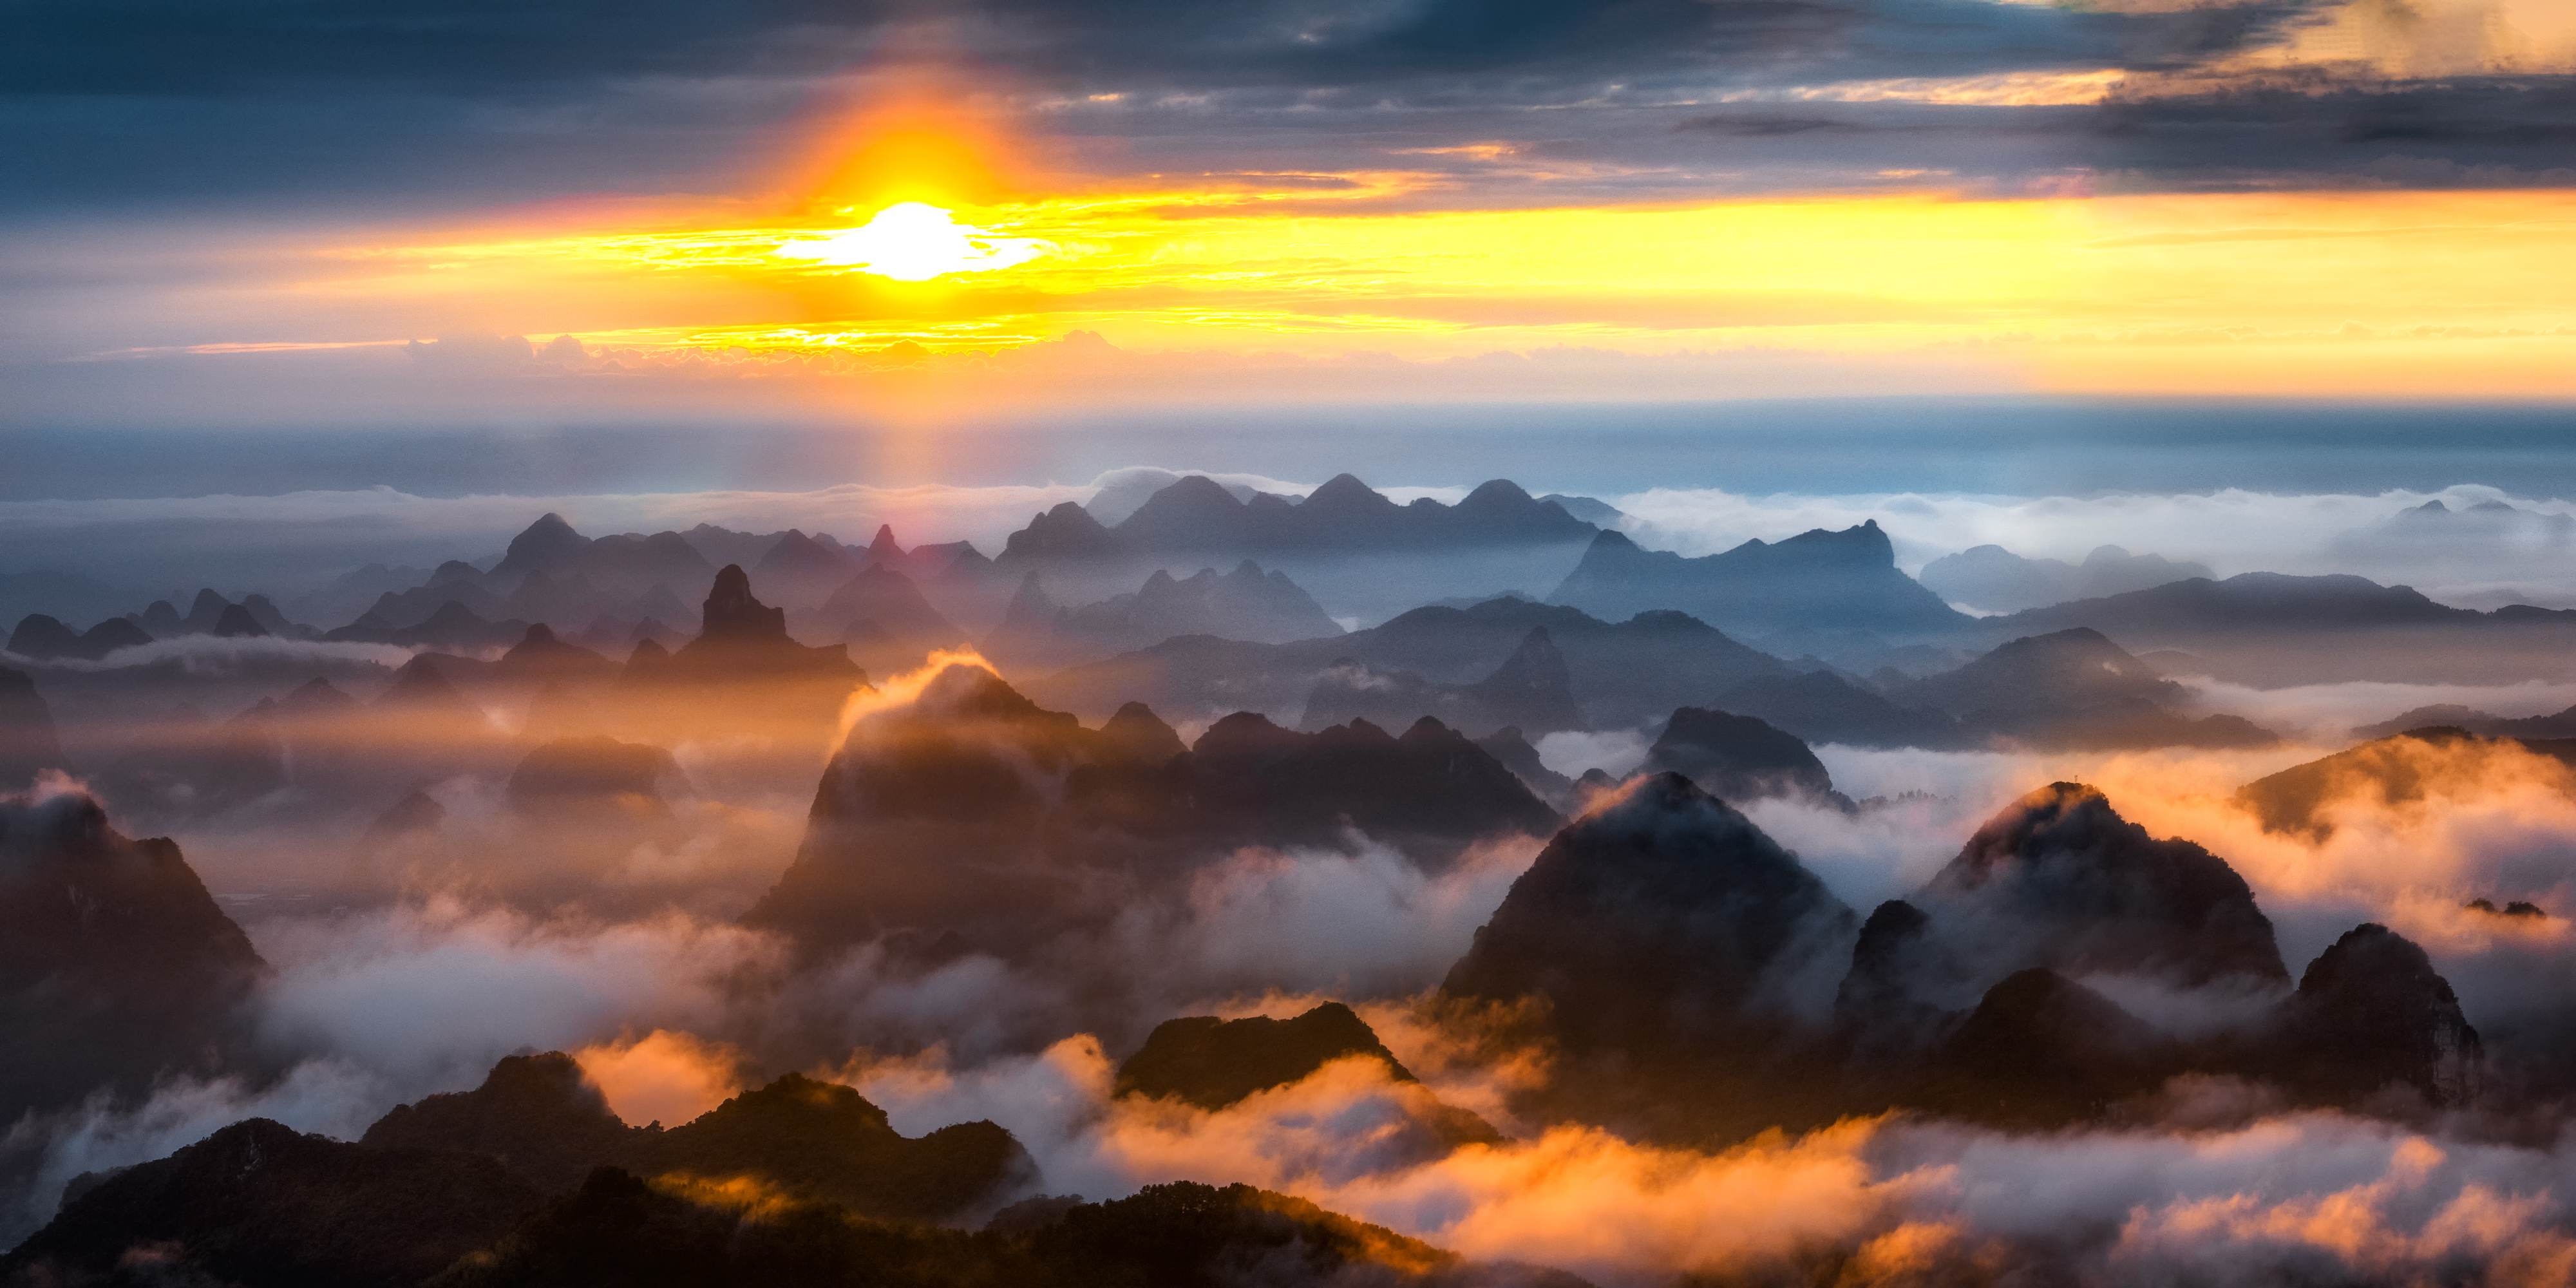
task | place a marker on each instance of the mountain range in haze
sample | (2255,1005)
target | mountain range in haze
(980,894)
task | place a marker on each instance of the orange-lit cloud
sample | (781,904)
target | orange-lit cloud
(2451,293)
(662,1077)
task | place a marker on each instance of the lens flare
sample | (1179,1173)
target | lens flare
(913,241)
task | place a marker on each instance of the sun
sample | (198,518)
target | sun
(914,241)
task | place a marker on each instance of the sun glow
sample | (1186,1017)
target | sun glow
(913,241)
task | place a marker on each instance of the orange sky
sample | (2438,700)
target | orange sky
(2468,293)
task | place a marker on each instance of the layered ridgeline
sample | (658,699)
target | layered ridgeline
(1544,668)
(2271,629)
(1817,583)
(532,1179)
(613,592)
(1995,580)
(365,735)
(1504,661)
(968,816)
(1696,979)
(1353,547)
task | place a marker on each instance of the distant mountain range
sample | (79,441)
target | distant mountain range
(1815,581)
(1198,516)
(1995,580)
(2271,629)
(1245,604)
(1623,673)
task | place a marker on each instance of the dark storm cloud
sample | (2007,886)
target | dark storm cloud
(448,101)
(1542,46)
(421,105)
(2463,132)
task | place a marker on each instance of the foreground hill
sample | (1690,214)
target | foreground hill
(1677,951)
(973,812)
(797,1183)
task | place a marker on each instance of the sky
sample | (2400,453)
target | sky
(266,213)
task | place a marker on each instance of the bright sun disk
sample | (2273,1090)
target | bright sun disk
(914,241)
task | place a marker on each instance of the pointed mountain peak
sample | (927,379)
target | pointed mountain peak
(1213,1062)
(420,686)
(2067,816)
(2370,1011)
(235,622)
(1032,597)
(1498,493)
(2095,893)
(1136,734)
(732,613)
(543,542)
(1195,491)
(884,547)
(316,696)
(1346,491)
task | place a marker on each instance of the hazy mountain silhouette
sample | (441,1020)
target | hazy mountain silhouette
(890,601)
(2403,770)
(1817,580)
(2557,725)
(972,809)
(2273,629)
(1623,673)
(1511,748)
(1739,758)
(453,624)
(148,979)
(594,773)
(1245,604)
(28,740)
(44,638)
(2254,601)
(1197,515)
(1820,707)
(1996,580)
(1532,689)
(1212,1062)
(2040,1050)
(2073,689)
(743,638)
